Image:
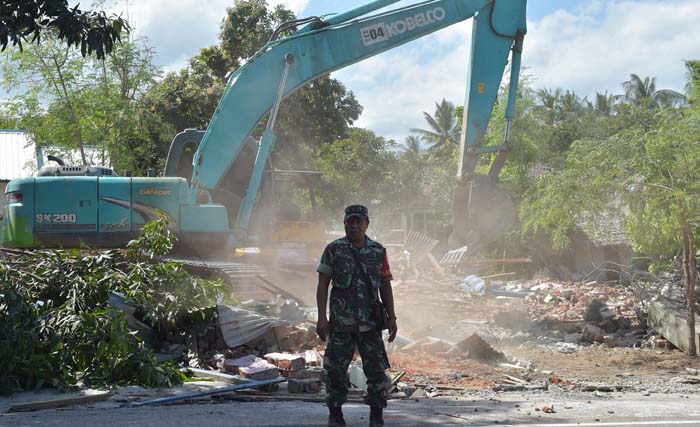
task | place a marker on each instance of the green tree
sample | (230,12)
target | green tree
(443,128)
(358,169)
(550,100)
(28,20)
(73,102)
(643,92)
(52,72)
(247,27)
(649,171)
(692,87)
(604,104)
(321,112)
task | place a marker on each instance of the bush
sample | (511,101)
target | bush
(57,328)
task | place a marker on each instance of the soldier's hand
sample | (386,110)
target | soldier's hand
(393,329)
(322,328)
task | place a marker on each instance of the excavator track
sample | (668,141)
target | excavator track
(247,280)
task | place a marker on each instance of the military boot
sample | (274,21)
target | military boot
(335,417)
(376,418)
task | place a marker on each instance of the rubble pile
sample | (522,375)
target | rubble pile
(572,301)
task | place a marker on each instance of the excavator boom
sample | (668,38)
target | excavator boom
(323,46)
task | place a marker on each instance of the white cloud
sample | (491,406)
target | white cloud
(396,87)
(593,49)
(590,48)
(646,38)
(180,28)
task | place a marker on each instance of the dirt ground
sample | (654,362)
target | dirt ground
(427,307)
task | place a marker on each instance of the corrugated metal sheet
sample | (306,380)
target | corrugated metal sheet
(17,155)
(240,326)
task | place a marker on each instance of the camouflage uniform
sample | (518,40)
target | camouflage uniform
(351,325)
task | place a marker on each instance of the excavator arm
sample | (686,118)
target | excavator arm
(333,42)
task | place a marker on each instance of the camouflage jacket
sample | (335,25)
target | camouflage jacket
(352,301)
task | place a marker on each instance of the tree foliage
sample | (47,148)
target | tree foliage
(71,102)
(321,112)
(443,128)
(57,327)
(28,20)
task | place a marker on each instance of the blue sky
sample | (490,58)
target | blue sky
(585,46)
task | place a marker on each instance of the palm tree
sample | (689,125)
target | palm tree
(642,92)
(604,103)
(412,146)
(692,87)
(443,127)
(549,102)
(570,103)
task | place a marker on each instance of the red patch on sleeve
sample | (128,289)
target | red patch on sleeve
(386,270)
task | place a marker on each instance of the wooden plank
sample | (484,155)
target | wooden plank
(222,390)
(436,265)
(219,376)
(58,403)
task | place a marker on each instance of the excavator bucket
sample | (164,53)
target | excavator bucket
(482,212)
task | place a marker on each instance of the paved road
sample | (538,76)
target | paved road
(616,409)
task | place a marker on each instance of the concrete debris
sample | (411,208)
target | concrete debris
(313,358)
(669,320)
(475,347)
(233,365)
(286,361)
(259,370)
(305,374)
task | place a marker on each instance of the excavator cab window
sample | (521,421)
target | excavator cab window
(184,165)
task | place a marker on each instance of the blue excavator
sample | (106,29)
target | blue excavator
(213,178)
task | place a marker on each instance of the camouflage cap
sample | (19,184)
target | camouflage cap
(356,210)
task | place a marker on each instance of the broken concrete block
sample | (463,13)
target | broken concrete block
(670,321)
(313,358)
(476,348)
(304,374)
(311,385)
(418,393)
(286,361)
(592,333)
(232,365)
(435,345)
(260,370)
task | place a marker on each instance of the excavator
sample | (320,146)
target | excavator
(212,182)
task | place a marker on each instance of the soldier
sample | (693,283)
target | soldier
(354,320)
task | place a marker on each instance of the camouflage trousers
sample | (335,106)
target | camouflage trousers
(339,352)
